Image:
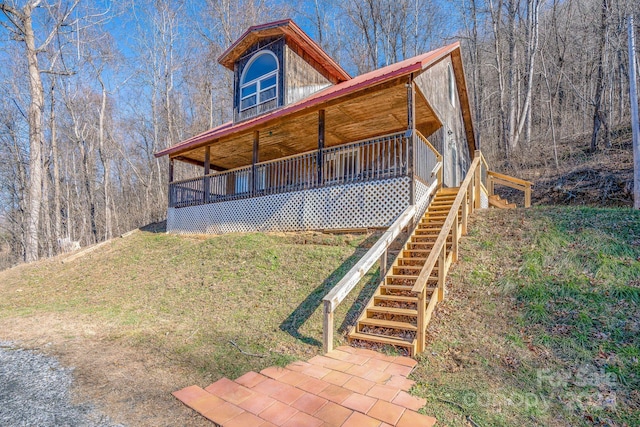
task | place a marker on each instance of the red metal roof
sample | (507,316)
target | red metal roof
(293,34)
(356,84)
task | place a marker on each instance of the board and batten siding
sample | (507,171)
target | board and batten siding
(450,139)
(301,78)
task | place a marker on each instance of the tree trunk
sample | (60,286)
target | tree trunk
(36,139)
(55,161)
(599,118)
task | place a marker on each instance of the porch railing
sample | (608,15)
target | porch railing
(427,161)
(380,158)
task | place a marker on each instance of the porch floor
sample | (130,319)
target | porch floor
(345,387)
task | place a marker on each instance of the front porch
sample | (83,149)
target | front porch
(341,187)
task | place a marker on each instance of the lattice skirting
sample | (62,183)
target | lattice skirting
(423,198)
(484,200)
(361,205)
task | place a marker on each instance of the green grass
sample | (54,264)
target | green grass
(544,310)
(540,325)
(189,297)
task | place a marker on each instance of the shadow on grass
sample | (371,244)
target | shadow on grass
(306,308)
(155,227)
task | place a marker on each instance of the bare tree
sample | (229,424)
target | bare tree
(22,29)
(599,118)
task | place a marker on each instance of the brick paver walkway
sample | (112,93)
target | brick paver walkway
(346,387)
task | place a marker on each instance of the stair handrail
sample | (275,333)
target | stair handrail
(421,281)
(511,182)
(358,271)
(469,186)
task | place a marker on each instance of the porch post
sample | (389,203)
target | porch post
(207,171)
(255,159)
(411,123)
(170,181)
(320,160)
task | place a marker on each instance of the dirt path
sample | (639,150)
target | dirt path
(36,390)
(104,382)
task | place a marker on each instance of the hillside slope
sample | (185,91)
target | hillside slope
(542,322)
(148,314)
(540,325)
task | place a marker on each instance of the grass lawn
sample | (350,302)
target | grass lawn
(190,304)
(540,325)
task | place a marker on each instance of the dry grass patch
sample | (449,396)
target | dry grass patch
(148,314)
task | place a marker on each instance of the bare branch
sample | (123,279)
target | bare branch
(59,24)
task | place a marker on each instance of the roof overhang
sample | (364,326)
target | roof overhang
(294,37)
(377,94)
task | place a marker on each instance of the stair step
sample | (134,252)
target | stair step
(383,340)
(401,277)
(393,311)
(447,190)
(410,267)
(391,324)
(424,246)
(406,259)
(416,251)
(388,287)
(428,233)
(496,201)
(397,298)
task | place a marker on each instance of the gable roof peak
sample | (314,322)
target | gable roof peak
(294,36)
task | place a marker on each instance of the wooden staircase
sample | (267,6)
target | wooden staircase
(391,316)
(497,202)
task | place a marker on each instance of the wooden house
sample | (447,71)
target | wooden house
(310,147)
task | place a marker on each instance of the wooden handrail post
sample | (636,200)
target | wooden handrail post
(327,335)
(442,261)
(255,159)
(207,171)
(321,137)
(422,306)
(472,194)
(171,192)
(465,212)
(456,236)
(383,264)
(527,197)
(490,184)
(477,187)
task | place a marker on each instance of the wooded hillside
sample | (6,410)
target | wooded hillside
(90,90)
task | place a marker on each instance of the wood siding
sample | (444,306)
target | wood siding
(450,140)
(301,78)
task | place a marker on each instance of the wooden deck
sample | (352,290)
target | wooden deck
(386,157)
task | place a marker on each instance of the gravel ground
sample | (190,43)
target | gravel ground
(35,391)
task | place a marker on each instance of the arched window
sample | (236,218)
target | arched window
(259,82)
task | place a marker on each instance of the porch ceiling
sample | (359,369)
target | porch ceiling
(376,112)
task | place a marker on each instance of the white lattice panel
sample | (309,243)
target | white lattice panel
(484,200)
(368,204)
(423,198)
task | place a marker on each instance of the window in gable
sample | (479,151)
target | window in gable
(259,82)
